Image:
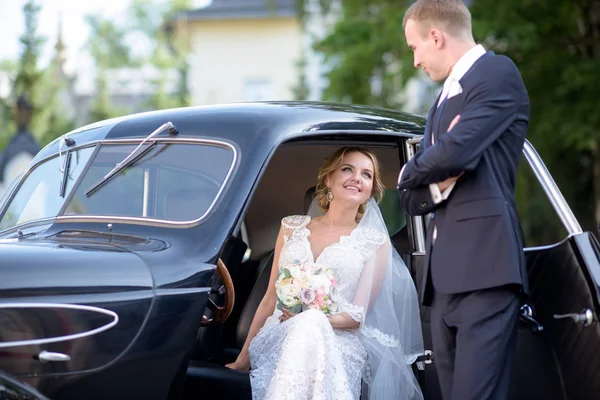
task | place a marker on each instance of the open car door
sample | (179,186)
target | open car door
(559,334)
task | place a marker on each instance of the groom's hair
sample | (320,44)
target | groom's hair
(452,16)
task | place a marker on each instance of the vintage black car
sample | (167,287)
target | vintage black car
(134,252)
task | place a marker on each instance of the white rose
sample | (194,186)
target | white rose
(319,281)
(293,290)
(296,271)
(289,301)
(281,292)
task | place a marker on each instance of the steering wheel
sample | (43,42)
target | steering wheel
(225,292)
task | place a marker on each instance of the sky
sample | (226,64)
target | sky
(75,30)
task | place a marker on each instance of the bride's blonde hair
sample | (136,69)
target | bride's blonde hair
(332,163)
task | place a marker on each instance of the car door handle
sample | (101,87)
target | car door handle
(586,317)
(527,316)
(48,356)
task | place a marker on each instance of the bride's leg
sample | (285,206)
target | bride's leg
(307,359)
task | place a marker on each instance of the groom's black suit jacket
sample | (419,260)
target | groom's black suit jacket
(479,243)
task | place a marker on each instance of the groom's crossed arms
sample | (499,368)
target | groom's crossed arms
(490,108)
(418,201)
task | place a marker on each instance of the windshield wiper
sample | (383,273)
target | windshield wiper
(65,165)
(64,176)
(132,157)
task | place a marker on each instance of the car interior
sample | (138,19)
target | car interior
(286,188)
(547,362)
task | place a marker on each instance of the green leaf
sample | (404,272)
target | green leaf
(296,309)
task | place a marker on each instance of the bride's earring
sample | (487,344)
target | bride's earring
(329,195)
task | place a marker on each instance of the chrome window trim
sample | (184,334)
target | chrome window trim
(37,342)
(418,222)
(548,246)
(551,190)
(146,194)
(141,220)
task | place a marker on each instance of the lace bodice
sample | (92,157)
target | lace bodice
(346,257)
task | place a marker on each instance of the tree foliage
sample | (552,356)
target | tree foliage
(168,48)
(364,48)
(108,48)
(556,46)
(29,77)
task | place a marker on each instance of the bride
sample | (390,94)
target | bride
(365,347)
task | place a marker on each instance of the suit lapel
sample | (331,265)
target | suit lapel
(431,117)
(438,118)
(452,106)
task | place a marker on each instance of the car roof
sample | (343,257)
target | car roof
(268,122)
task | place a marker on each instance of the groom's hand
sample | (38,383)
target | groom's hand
(454,122)
(446,184)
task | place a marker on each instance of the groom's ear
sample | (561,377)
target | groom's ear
(437,37)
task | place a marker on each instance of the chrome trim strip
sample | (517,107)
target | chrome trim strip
(551,189)
(88,218)
(548,246)
(417,221)
(146,192)
(37,342)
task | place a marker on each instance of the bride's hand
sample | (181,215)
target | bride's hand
(286,314)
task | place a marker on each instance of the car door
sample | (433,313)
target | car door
(559,334)
(68,307)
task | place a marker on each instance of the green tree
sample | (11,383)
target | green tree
(556,46)
(169,48)
(29,78)
(56,120)
(364,49)
(107,46)
(10,68)
(300,89)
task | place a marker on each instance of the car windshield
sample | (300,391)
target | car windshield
(38,196)
(174,182)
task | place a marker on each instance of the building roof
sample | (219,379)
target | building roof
(242,9)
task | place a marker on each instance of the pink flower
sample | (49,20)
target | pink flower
(314,306)
(307,296)
(319,300)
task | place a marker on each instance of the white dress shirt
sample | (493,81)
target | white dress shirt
(450,89)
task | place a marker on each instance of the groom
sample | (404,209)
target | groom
(464,175)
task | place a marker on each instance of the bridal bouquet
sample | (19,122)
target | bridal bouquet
(303,286)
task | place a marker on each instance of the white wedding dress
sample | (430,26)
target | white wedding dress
(304,357)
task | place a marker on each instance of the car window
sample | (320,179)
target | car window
(392,211)
(176,182)
(540,223)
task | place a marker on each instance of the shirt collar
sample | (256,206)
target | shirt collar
(466,62)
